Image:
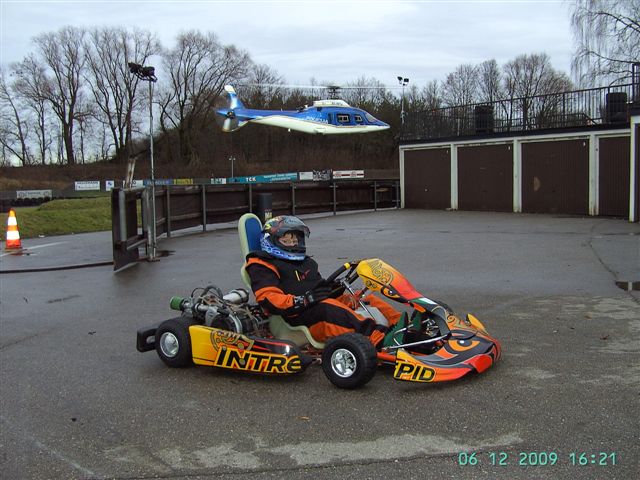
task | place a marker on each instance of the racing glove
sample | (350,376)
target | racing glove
(313,296)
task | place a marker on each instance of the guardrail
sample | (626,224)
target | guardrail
(592,107)
(180,207)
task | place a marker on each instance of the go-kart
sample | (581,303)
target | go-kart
(430,344)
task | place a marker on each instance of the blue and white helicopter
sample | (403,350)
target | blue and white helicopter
(324,117)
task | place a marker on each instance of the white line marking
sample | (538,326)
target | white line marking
(34,247)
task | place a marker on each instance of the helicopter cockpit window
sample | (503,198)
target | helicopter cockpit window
(358,118)
(371,118)
(344,118)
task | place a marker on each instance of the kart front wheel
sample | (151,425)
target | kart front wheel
(173,343)
(349,360)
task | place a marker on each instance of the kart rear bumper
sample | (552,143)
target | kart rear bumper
(146,339)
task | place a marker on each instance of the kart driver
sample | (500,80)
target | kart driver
(286,282)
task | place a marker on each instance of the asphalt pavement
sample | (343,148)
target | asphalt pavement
(77,401)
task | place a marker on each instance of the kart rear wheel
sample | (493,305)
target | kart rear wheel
(349,360)
(173,342)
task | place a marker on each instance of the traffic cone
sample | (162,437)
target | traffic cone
(13,236)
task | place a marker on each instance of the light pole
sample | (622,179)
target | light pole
(148,74)
(403,81)
(232,159)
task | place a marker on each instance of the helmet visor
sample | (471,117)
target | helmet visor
(292,241)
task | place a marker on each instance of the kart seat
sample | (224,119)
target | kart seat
(249,229)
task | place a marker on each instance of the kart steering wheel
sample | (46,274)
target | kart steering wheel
(343,273)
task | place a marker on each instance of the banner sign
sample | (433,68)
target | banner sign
(87,185)
(183,181)
(316,175)
(276,177)
(348,174)
(34,194)
(159,181)
(109,185)
(218,181)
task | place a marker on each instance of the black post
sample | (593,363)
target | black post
(204,208)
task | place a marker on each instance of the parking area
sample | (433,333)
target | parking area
(77,401)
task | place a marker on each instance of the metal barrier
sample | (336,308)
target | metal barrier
(179,207)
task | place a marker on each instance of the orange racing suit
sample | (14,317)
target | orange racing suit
(278,285)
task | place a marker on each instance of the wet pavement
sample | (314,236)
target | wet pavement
(78,401)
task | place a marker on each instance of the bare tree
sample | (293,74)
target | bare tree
(490,86)
(265,87)
(13,125)
(432,94)
(365,93)
(197,68)
(460,86)
(528,76)
(63,54)
(607,36)
(32,85)
(114,88)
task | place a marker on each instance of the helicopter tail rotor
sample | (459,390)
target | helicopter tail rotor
(226,116)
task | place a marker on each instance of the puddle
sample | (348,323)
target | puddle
(628,286)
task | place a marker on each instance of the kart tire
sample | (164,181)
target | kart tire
(173,342)
(349,360)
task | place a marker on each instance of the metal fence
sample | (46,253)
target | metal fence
(180,207)
(590,107)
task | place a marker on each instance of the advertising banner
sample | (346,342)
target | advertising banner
(275,177)
(87,185)
(348,174)
(159,181)
(34,194)
(316,175)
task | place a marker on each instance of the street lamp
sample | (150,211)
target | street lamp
(402,81)
(148,74)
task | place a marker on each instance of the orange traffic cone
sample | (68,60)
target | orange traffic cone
(13,236)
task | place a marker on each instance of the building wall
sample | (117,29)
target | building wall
(583,173)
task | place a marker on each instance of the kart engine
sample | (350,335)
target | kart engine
(230,311)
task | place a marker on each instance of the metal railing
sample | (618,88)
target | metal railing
(180,207)
(581,108)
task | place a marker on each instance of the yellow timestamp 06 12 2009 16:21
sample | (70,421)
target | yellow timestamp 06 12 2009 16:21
(538,459)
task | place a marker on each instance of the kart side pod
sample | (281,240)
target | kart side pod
(225,349)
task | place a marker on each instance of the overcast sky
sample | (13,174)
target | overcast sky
(336,41)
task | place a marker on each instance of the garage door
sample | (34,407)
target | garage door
(555,177)
(485,178)
(427,178)
(614,177)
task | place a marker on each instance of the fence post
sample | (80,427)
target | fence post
(375,196)
(396,187)
(168,214)
(335,205)
(293,199)
(204,207)
(123,216)
(250,190)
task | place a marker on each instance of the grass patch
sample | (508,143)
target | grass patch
(62,217)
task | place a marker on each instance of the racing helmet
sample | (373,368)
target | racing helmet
(274,229)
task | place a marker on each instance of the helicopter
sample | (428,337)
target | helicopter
(324,117)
